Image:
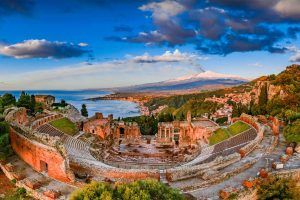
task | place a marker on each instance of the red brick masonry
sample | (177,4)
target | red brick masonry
(40,157)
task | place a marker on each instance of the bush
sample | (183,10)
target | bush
(275,187)
(222,120)
(291,132)
(4,128)
(139,190)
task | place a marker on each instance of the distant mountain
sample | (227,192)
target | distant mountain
(202,81)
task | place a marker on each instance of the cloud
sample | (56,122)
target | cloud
(23,7)
(82,44)
(128,71)
(168,56)
(257,64)
(43,49)
(163,10)
(296,56)
(220,27)
(288,8)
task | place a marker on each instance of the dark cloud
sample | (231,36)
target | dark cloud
(8,7)
(221,26)
(293,32)
(42,49)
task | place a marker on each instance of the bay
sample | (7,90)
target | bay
(77,98)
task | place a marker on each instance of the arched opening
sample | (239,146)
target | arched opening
(44,166)
(122,131)
(176,139)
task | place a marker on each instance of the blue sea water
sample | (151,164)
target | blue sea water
(76,98)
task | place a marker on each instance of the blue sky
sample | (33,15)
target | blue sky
(77,44)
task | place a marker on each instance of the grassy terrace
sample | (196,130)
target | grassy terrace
(65,125)
(224,133)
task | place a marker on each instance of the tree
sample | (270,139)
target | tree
(8,99)
(32,104)
(24,100)
(5,149)
(263,99)
(63,103)
(138,190)
(84,111)
(275,187)
(292,133)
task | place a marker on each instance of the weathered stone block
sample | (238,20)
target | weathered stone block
(18,176)
(33,184)
(289,151)
(263,173)
(9,167)
(248,183)
(53,194)
(284,158)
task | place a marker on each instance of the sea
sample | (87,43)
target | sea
(77,98)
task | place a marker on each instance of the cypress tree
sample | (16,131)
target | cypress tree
(84,111)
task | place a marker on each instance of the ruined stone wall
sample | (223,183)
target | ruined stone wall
(187,171)
(37,155)
(249,120)
(44,120)
(17,115)
(115,174)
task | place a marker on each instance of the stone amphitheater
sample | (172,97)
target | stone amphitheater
(69,160)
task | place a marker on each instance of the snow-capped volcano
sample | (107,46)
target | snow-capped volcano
(206,75)
(203,80)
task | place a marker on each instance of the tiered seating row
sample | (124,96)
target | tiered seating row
(225,148)
(77,148)
(244,137)
(50,130)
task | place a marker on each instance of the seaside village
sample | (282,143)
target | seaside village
(57,150)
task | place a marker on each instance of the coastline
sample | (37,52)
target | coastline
(130,97)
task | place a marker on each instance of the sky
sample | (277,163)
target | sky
(86,44)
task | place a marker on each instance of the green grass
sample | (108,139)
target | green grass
(238,127)
(218,136)
(224,133)
(65,125)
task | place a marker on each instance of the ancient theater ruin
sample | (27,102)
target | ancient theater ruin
(185,133)
(109,150)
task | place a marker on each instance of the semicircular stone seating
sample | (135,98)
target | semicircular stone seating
(50,130)
(224,148)
(77,148)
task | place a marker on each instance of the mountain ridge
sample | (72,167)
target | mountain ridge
(203,80)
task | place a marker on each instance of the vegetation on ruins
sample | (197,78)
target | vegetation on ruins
(6,101)
(222,120)
(25,100)
(65,125)
(147,124)
(292,132)
(275,187)
(84,111)
(18,194)
(224,133)
(5,148)
(138,190)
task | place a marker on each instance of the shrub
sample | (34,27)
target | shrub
(222,120)
(275,187)
(291,132)
(139,190)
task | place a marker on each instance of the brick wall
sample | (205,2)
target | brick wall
(40,157)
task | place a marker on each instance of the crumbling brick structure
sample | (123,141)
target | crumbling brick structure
(185,133)
(40,157)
